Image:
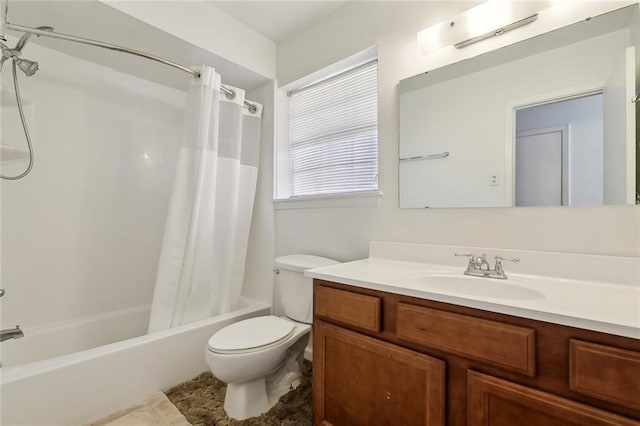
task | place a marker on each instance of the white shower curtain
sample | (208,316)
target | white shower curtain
(201,266)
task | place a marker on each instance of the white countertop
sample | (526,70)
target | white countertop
(598,306)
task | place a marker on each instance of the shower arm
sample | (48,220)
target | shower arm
(230,93)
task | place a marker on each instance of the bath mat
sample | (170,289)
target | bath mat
(201,400)
(156,410)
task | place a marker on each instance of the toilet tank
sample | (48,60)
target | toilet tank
(294,290)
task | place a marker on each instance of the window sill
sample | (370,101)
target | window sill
(353,199)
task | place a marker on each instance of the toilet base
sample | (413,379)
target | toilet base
(250,399)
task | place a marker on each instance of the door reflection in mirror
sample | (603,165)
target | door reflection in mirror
(559,153)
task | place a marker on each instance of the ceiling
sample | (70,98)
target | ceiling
(277,20)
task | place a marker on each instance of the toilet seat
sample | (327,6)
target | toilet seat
(251,335)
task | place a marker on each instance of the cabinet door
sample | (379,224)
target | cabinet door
(359,380)
(497,402)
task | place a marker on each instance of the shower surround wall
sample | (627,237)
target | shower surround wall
(81,234)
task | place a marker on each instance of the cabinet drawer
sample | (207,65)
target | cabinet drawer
(497,402)
(348,308)
(605,372)
(502,345)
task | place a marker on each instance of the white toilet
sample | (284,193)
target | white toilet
(260,358)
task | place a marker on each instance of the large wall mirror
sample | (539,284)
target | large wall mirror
(543,122)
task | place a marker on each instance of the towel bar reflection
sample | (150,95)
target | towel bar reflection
(427,157)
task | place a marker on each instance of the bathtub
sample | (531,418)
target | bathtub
(86,385)
(76,335)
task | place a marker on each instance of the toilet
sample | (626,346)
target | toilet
(260,358)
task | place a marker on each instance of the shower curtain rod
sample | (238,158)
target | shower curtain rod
(51,34)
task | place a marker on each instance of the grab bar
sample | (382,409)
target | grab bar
(427,157)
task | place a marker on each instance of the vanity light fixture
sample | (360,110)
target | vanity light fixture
(497,32)
(486,20)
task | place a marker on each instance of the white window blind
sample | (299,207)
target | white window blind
(333,134)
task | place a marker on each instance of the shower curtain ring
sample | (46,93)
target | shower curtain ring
(230,93)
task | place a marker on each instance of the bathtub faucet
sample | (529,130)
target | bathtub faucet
(11,333)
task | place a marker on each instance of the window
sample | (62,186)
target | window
(333,134)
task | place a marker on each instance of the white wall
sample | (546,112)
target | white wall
(357,26)
(258,276)
(585,163)
(81,234)
(343,233)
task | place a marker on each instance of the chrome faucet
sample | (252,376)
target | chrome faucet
(11,333)
(479,267)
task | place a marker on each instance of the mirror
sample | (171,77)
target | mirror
(546,121)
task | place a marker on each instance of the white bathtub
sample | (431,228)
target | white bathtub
(79,334)
(80,387)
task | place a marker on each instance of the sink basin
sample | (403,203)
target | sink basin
(477,286)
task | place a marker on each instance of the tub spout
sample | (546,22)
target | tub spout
(11,333)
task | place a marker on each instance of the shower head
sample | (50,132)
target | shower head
(28,67)
(6,54)
(25,37)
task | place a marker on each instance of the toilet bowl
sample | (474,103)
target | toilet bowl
(257,377)
(260,358)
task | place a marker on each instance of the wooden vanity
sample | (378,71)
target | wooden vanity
(388,359)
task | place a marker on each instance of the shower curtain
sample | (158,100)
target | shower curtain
(201,265)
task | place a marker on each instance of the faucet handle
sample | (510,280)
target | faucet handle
(499,259)
(469,255)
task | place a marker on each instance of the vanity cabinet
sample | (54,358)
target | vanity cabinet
(364,381)
(387,359)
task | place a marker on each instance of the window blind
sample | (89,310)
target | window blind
(333,134)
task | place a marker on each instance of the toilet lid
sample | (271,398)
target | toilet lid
(251,333)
